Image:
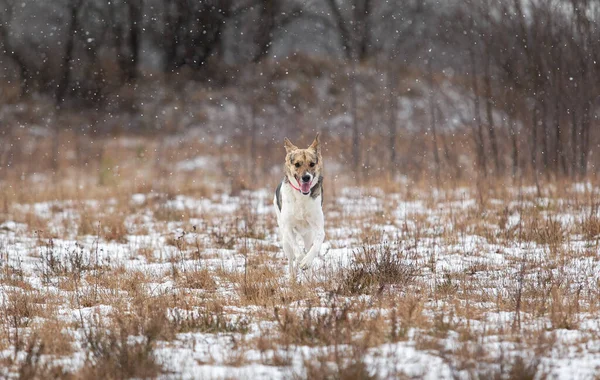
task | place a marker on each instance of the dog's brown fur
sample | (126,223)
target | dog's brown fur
(298,161)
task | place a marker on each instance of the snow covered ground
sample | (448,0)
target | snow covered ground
(412,283)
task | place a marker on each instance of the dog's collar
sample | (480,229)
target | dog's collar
(297,188)
(294,187)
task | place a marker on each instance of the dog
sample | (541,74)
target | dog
(298,204)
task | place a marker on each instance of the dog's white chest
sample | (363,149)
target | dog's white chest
(301,219)
(301,211)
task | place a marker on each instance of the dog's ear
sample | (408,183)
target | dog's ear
(315,145)
(288,145)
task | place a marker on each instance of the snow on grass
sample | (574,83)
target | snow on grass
(201,282)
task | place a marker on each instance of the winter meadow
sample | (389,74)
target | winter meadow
(141,142)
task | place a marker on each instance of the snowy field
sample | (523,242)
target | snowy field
(413,282)
(141,142)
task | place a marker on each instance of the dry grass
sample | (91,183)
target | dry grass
(375,268)
(126,270)
(111,354)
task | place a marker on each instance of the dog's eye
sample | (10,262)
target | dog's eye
(297,164)
(312,164)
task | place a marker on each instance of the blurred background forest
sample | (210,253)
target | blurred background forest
(421,88)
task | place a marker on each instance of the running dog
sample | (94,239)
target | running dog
(298,204)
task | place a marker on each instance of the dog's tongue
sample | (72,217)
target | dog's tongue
(305,187)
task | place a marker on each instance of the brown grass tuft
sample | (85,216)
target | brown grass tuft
(375,267)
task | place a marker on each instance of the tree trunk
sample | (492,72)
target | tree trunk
(513,139)
(545,138)
(478,128)
(392,123)
(65,79)
(533,145)
(253,136)
(9,50)
(432,122)
(344,33)
(490,115)
(174,39)
(354,106)
(24,73)
(362,32)
(135,8)
(266,29)
(585,140)
(560,162)
(574,143)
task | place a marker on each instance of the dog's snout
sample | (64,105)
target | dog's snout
(306,178)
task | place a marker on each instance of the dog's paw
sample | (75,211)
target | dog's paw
(305,263)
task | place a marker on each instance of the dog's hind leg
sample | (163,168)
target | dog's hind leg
(289,251)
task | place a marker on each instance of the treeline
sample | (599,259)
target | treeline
(531,66)
(81,48)
(539,63)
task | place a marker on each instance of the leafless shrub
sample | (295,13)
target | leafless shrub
(313,327)
(564,307)
(259,284)
(547,232)
(34,367)
(166,211)
(13,275)
(375,267)
(114,353)
(18,311)
(338,364)
(70,264)
(196,278)
(515,368)
(447,287)
(54,334)
(109,226)
(224,236)
(208,318)
(590,228)
(406,314)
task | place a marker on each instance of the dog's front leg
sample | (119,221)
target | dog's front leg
(298,251)
(290,251)
(319,237)
(287,248)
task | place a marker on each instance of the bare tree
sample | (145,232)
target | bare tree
(542,52)
(354,110)
(192,31)
(392,79)
(275,16)
(9,47)
(406,23)
(135,8)
(67,57)
(354,28)
(489,109)
(433,121)
(477,126)
(126,21)
(344,32)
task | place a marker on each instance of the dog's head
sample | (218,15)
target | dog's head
(303,167)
